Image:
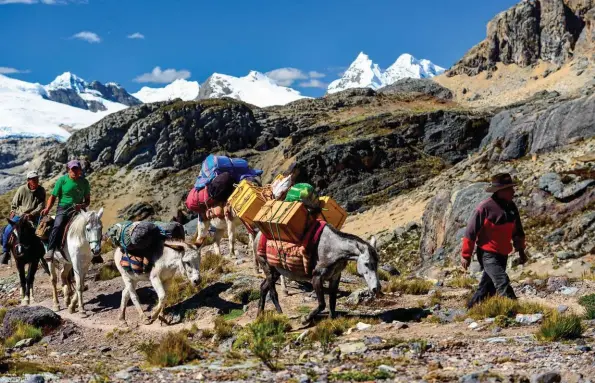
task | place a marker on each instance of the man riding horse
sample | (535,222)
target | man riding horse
(73,193)
(26,204)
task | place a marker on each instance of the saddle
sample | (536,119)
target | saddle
(65,233)
(135,263)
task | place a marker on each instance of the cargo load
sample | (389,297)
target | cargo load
(331,212)
(213,166)
(247,200)
(284,221)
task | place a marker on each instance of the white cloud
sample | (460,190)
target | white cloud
(313,83)
(136,35)
(163,76)
(314,74)
(7,70)
(286,76)
(87,36)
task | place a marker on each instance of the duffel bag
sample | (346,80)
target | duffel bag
(221,187)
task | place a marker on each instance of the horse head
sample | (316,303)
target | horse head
(367,265)
(189,261)
(93,230)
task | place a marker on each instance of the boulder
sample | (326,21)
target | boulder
(445,218)
(36,316)
(417,86)
(546,377)
(557,283)
(572,188)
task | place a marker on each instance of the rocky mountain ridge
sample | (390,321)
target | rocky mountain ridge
(553,31)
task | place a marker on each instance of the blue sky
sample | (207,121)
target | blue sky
(194,38)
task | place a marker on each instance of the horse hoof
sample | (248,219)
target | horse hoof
(71,310)
(84,314)
(56,308)
(25,302)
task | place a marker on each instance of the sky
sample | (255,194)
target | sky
(305,43)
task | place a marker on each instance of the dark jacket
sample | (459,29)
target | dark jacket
(492,227)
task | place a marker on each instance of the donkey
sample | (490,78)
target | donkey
(174,256)
(83,240)
(333,251)
(223,226)
(27,249)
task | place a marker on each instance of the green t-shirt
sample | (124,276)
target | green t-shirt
(70,192)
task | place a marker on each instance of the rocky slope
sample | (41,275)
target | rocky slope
(548,30)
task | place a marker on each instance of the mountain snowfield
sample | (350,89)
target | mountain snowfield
(27,111)
(364,73)
(255,88)
(186,90)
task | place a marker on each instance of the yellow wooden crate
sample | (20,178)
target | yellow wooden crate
(284,221)
(332,213)
(246,201)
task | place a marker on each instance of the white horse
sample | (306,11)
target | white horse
(83,240)
(222,227)
(175,256)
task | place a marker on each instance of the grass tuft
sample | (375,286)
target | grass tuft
(179,290)
(588,302)
(223,329)
(560,327)
(233,314)
(107,272)
(23,331)
(496,306)
(415,286)
(327,330)
(172,350)
(247,295)
(3,311)
(462,282)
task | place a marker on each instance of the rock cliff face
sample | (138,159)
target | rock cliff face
(540,126)
(533,30)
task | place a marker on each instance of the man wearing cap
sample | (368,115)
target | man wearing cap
(494,228)
(73,193)
(26,204)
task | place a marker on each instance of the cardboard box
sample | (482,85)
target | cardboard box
(332,213)
(284,221)
(246,201)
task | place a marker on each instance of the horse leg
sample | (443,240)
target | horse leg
(317,283)
(251,243)
(217,242)
(231,236)
(65,279)
(333,291)
(274,297)
(284,285)
(124,303)
(136,301)
(54,280)
(79,280)
(160,289)
(21,270)
(30,280)
(201,232)
(265,287)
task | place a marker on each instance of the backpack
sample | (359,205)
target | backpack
(44,228)
(221,187)
(213,166)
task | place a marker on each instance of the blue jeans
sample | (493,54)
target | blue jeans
(6,234)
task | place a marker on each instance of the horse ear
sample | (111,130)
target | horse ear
(100,213)
(373,241)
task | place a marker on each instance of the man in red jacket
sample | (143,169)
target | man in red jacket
(494,227)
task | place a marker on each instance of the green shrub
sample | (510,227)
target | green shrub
(23,331)
(462,282)
(172,350)
(415,286)
(233,314)
(223,329)
(2,313)
(588,302)
(327,330)
(496,306)
(265,336)
(560,327)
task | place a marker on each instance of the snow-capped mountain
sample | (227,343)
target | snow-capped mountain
(72,90)
(186,90)
(255,88)
(34,110)
(364,73)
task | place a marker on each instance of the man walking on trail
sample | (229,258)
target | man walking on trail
(495,226)
(26,204)
(73,193)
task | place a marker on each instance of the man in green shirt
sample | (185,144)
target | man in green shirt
(73,193)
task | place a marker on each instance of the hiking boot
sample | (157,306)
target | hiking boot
(5,257)
(96,259)
(49,256)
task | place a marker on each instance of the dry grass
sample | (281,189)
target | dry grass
(462,282)
(496,306)
(23,331)
(327,330)
(415,286)
(107,272)
(223,329)
(3,311)
(560,327)
(172,350)
(588,302)
(179,290)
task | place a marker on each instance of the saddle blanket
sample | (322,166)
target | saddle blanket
(297,258)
